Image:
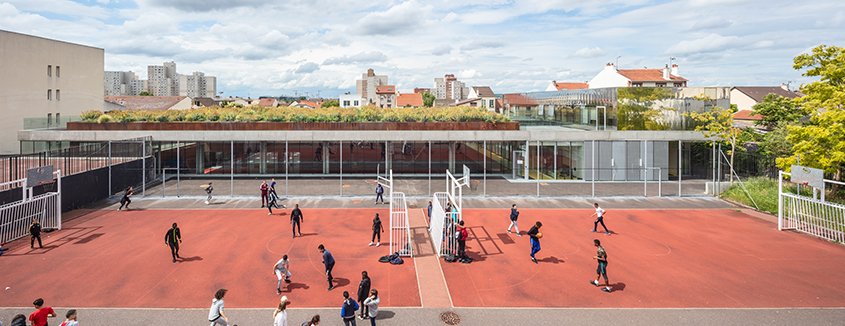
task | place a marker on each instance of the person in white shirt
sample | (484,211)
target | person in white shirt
(281,268)
(71,319)
(215,314)
(599,214)
(372,304)
(280,316)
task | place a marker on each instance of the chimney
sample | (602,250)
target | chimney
(675,69)
(666,72)
(610,66)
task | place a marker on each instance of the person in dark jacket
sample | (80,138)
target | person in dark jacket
(328,262)
(125,201)
(377,230)
(379,193)
(19,320)
(35,233)
(348,309)
(462,236)
(514,216)
(535,235)
(295,219)
(172,239)
(364,292)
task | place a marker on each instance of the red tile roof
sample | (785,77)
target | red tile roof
(410,99)
(747,115)
(648,75)
(519,99)
(570,85)
(268,102)
(386,89)
(145,102)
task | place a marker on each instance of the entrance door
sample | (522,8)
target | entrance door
(520,165)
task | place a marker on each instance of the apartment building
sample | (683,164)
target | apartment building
(450,88)
(197,85)
(367,85)
(52,79)
(118,82)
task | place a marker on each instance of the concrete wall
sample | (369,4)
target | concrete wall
(24,82)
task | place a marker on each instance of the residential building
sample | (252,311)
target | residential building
(45,80)
(366,86)
(118,82)
(306,104)
(136,87)
(560,86)
(518,105)
(745,97)
(409,100)
(205,102)
(197,85)
(450,88)
(350,101)
(268,102)
(485,95)
(611,76)
(158,103)
(422,90)
(163,80)
(386,96)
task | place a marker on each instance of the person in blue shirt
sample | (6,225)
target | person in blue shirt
(348,309)
(328,261)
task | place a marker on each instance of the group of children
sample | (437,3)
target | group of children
(535,236)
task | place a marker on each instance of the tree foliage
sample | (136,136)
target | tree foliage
(775,109)
(330,104)
(635,109)
(820,143)
(428,99)
(145,93)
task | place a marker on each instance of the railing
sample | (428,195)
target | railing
(400,227)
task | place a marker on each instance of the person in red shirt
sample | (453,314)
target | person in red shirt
(462,235)
(40,315)
(264,188)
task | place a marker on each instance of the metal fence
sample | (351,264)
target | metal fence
(810,215)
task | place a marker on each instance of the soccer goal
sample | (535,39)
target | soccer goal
(802,206)
(16,217)
(446,211)
(400,227)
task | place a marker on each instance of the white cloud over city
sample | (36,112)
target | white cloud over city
(258,47)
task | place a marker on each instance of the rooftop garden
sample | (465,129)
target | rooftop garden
(293,114)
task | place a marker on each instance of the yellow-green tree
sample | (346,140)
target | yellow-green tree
(820,143)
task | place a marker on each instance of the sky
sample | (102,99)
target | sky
(301,47)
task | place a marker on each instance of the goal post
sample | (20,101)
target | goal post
(447,211)
(15,217)
(800,211)
(400,226)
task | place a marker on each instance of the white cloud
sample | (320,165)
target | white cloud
(307,68)
(398,19)
(589,52)
(705,44)
(358,58)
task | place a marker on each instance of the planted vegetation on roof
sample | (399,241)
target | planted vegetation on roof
(293,114)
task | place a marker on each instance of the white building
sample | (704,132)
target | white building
(366,86)
(197,85)
(561,86)
(163,80)
(350,101)
(485,95)
(745,97)
(45,79)
(118,82)
(450,88)
(610,76)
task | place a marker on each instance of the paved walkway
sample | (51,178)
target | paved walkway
(425,316)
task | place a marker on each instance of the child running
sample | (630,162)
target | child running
(282,267)
(601,270)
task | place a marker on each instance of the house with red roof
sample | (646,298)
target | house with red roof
(611,76)
(561,86)
(386,96)
(409,100)
(268,102)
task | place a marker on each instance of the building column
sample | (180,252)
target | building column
(325,157)
(452,146)
(200,157)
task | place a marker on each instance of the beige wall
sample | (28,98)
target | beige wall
(742,101)
(24,82)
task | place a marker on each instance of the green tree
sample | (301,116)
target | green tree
(428,99)
(776,109)
(775,143)
(820,143)
(718,124)
(330,104)
(635,109)
(145,93)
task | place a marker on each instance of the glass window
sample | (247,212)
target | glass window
(58,95)
(58,119)
(49,119)
(58,72)
(49,71)
(49,94)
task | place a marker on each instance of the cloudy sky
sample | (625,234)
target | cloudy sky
(258,47)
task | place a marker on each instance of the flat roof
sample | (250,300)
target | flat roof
(531,134)
(49,39)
